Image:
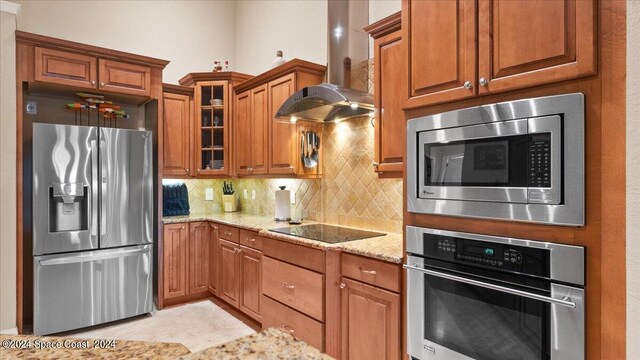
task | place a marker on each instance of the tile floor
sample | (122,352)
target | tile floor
(197,326)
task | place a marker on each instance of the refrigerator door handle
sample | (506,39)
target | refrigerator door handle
(104,175)
(94,189)
(102,255)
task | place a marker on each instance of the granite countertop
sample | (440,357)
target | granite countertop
(52,347)
(268,344)
(386,248)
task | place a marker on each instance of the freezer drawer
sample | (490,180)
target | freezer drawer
(89,288)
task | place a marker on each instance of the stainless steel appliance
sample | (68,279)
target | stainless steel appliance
(92,225)
(493,298)
(519,160)
(327,233)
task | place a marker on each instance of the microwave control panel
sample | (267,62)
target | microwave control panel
(539,161)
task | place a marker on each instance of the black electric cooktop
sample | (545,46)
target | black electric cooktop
(327,233)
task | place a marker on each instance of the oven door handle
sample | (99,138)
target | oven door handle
(566,301)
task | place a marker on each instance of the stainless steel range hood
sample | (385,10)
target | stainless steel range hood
(348,43)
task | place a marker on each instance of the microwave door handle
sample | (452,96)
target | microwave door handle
(564,302)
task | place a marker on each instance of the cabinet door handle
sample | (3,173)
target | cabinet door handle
(183,227)
(483,81)
(186,171)
(251,239)
(372,272)
(93,82)
(467,85)
(290,330)
(102,84)
(288,286)
(198,171)
(343,285)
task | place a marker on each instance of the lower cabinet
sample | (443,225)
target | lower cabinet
(250,282)
(185,257)
(370,322)
(213,259)
(229,272)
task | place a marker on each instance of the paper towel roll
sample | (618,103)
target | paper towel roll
(283,208)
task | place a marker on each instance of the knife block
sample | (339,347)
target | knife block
(230,203)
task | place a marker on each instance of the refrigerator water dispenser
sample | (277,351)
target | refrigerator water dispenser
(68,207)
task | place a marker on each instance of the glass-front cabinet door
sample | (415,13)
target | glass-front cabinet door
(212,124)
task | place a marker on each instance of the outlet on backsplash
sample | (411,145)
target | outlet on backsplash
(208,194)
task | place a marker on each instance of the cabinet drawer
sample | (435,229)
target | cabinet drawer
(293,286)
(60,67)
(124,78)
(276,315)
(371,271)
(302,256)
(228,233)
(251,239)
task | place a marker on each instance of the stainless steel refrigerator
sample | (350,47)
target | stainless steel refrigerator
(92,225)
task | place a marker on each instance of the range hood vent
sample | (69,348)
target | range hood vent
(348,43)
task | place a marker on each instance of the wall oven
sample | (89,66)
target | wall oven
(492,298)
(520,160)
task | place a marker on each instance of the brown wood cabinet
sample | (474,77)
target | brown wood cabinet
(177,120)
(213,122)
(390,124)
(370,322)
(295,323)
(252,134)
(229,272)
(266,146)
(526,43)
(199,241)
(213,259)
(90,72)
(515,44)
(175,255)
(251,282)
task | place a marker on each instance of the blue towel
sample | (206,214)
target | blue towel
(175,200)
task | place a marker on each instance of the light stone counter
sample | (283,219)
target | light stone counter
(386,248)
(270,344)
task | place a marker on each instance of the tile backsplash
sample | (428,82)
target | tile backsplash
(349,194)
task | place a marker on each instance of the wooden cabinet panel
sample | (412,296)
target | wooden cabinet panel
(440,39)
(370,322)
(371,271)
(229,277)
(299,255)
(293,286)
(212,129)
(199,239)
(299,325)
(242,132)
(259,130)
(251,239)
(65,68)
(175,250)
(525,43)
(124,78)
(390,126)
(250,282)
(283,138)
(176,155)
(213,259)
(229,233)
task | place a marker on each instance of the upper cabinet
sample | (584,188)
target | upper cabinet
(390,124)
(124,78)
(262,145)
(525,43)
(212,123)
(515,44)
(176,124)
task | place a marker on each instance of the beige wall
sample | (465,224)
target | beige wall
(191,34)
(7,171)
(297,27)
(633,180)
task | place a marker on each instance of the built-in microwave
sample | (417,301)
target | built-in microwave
(520,160)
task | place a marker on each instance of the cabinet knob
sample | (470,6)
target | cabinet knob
(288,329)
(102,84)
(467,85)
(343,285)
(198,171)
(93,82)
(291,287)
(483,81)
(183,227)
(251,239)
(186,171)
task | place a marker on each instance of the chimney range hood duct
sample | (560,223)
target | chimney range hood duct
(348,43)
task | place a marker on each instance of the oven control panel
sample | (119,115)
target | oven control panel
(539,161)
(508,257)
